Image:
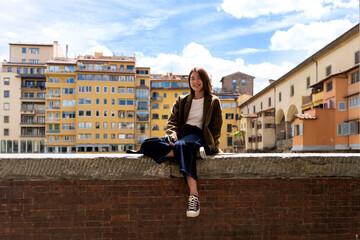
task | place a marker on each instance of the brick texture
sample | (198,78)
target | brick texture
(312,208)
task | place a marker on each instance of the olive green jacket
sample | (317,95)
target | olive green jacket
(212,116)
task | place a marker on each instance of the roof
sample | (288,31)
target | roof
(305,116)
(352,32)
(32,44)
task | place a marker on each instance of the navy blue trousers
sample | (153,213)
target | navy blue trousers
(185,149)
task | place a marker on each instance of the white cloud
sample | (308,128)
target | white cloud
(245,51)
(254,9)
(196,55)
(10,34)
(50,32)
(98,48)
(310,37)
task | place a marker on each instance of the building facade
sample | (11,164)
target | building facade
(285,95)
(238,82)
(28,61)
(331,118)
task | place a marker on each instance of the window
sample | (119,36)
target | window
(355,77)
(81,77)
(155,116)
(349,128)
(97,101)
(292,90)
(155,127)
(307,82)
(279,96)
(155,84)
(34,50)
(166,106)
(155,106)
(6,119)
(89,77)
(165,84)
(71,103)
(175,95)
(229,141)
(354,102)
(23,50)
(165,116)
(6,94)
(105,89)
(68,91)
(342,106)
(142,82)
(142,93)
(175,84)
(261,105)
(243,82)
(269,125)
(269,101)
(6,106)
(130,102)
(6,81)
(97,89)
(105,101)
(357,57)
(9,69)
(164,95)
(6,132)
(328,70)
(68,114)
(234,85)
(232,105)
(105,125)
(254,109)
(70,80)
(329,86)
(224,105)
(229,116)
(185,84)
(105,113)
(84,113)
(142,105)
(229,127)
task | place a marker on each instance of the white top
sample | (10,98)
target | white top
(196,113)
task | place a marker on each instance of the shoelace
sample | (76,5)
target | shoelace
(193,203)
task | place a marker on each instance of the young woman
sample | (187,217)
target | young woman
(193,127)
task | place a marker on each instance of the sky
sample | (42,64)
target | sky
(262,38)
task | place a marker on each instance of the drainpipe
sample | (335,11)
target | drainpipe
(275,116)
(317,72)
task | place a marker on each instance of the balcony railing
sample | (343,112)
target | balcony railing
(32,135)
(53,108)
(53,131)
(32,123)
(53,120)
(33,98)
(53,95)
(105,70)
(156,98)
(59,141)
(318,97)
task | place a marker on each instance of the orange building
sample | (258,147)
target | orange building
(331,115)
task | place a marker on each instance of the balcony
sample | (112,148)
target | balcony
(53,131)
(32,135)
(53,120)
(239,144)
(306,100)
(28,111)
(53,95)
(59,141)
(156,98)
(56,108)
(31,123)
(318,97)
(29,86)
(29,97)
(105,70)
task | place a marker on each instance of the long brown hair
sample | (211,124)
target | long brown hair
(205,79)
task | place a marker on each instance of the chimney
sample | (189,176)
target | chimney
(67,50)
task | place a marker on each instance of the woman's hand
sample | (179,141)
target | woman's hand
(172,140)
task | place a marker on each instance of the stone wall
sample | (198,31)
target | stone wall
(243,196)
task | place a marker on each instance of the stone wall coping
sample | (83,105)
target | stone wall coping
(138,166)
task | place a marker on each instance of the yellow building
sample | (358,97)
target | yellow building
(165,89)
(229,143)
(96,104)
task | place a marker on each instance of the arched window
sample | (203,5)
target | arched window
(155,106)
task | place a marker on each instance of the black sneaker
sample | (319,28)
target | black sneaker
(193,209)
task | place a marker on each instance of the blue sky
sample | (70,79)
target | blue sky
(262,38)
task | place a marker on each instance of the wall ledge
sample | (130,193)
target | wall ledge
(137,166)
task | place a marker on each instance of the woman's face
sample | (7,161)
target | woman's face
(196,83)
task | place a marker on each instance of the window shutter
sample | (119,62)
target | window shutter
(292,130)
(301,129)
(342,106)
(352,128)
(339,132)
(345,129)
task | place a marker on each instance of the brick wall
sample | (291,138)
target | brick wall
(243,196)
(155,209)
